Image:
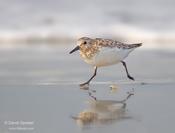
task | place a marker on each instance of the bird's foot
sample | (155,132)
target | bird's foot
(131,77)
(84,86)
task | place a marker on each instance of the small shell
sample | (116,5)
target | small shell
(114,88)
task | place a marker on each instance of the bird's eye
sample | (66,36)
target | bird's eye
(85,42)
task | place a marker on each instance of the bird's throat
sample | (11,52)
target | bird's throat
(88,53)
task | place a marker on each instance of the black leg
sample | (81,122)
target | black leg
(95,72)
(124,64)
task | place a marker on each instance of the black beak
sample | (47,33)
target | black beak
(75,49)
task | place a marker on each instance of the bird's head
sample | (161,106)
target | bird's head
(82,43)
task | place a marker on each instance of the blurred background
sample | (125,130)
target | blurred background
(63,21)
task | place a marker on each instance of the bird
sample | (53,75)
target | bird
(100,52)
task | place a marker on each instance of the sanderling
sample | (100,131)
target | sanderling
(103,52)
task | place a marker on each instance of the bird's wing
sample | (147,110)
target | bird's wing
(110,43)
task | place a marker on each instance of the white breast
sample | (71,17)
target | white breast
(109,56)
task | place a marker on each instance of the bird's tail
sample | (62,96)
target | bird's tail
(135,45)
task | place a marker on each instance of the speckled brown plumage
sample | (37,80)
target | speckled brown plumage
(88,52)
(89,47)
(112,43)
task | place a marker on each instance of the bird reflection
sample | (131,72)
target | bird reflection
(103,112)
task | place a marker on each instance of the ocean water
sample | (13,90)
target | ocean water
(54,21)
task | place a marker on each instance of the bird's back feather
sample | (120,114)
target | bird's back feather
(134,45)
(112,43)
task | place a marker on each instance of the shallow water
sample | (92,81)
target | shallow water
(51,108)
(39,85)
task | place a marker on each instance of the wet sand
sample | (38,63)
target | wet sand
(39,92)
